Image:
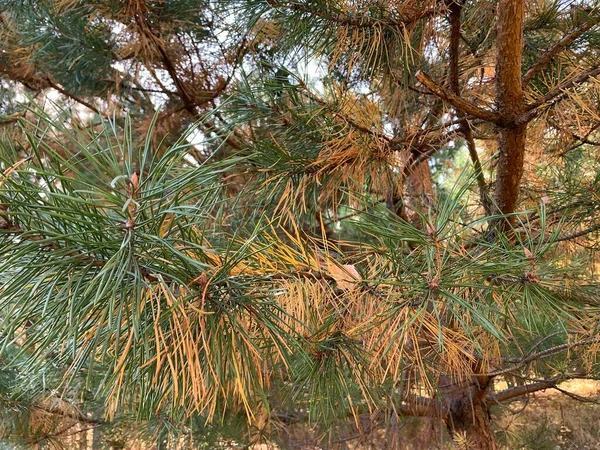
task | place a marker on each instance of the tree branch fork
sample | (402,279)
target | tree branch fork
(414,405)
(532,110)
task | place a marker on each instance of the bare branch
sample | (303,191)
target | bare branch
(519,391)
(560,45)
(465,127)
(574,396)
(79,100)
(543,354)
(458,102)
(556,94)
(574,235)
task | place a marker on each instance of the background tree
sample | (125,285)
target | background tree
(300,266)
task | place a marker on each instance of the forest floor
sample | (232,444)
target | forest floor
(553,420)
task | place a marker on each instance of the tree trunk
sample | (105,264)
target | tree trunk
(510,104)
(468,419)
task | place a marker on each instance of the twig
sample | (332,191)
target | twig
(459,102)
(571,236)
(561,44)
(534,110)
(541,355)
(79,100)
(519,391)
(579,398)
(464,127)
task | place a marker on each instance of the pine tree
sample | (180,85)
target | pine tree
(321,258)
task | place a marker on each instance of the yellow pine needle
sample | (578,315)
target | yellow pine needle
(11,169)
(238,381)
(121,361)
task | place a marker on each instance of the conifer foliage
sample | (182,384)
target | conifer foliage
(226,223)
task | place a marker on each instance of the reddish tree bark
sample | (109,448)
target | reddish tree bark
(510,103)
(468,415)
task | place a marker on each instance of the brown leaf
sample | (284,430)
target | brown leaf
(346,276)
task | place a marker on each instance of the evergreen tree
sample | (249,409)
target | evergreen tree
(321,258)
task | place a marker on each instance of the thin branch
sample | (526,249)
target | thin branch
(541,355)
(190,104)
(157,91)
(582,139)
(212,128)
(459,102)
(560,45)
(571,236)
(558,209)
(415,136)
(11,118)
(534,109)
(416,160)
(579,398)
(423,150)
(79,100)
(519,391)
(465,127)
(331,108)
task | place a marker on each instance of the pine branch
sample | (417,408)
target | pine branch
(541,355)
(534,109)
(333,110)
(465,127)
(571,236)
(9,227)
(553,51)
(519,391)
(79,100)
(459,102)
